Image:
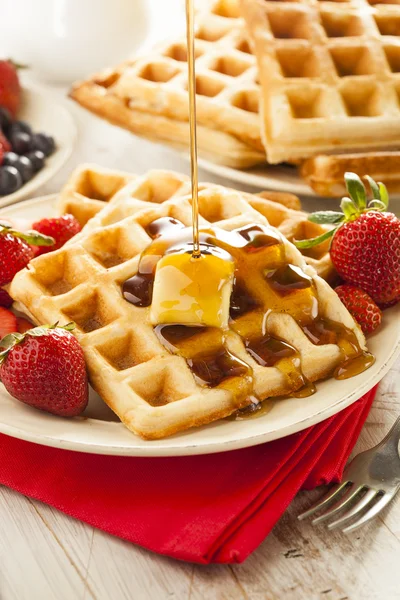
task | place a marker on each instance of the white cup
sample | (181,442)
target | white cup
(65,40)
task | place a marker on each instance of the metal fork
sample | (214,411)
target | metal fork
(370,481)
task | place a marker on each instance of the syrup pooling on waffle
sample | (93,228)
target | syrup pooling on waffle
(265,283)
(152,390)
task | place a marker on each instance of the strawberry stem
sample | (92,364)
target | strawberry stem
(352,207)
(30,237)
(303,244)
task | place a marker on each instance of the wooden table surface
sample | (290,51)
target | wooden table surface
(46,555)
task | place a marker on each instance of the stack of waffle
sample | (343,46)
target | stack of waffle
(323,80)
(153,391)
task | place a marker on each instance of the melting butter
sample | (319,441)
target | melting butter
(193,291)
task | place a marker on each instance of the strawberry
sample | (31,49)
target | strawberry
(8,322)
(45,368)
(10,89)
(361,307)
(365,246)
(23,325)
(5,299)
(61,229)
(15,251)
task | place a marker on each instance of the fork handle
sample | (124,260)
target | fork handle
(392,438)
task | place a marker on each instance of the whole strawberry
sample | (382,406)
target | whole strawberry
(10,89)
(15,250)
(360,306)
(45,368)
(365,247)
(61,229)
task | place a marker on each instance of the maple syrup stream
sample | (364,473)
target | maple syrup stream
(264,283)
(193,130)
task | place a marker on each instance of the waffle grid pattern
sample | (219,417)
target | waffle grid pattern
(153,392)
(330,74)
(151,92)
(80,197)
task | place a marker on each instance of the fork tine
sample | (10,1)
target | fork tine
(371,513)
(325,500)
(353,490)
(365,500)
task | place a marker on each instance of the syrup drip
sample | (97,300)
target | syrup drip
(264,283)
(208,357)
(192,122)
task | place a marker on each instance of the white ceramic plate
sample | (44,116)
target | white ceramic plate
(100,432)
(43,114)
(282,178)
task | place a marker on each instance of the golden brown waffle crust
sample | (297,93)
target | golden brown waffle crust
(153,392)
(80,197)
(325,174)
(329,75)
(148,95)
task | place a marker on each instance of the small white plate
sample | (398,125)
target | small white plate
(43,114)
(100,431)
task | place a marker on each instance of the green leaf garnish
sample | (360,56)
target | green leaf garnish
(326,216)
(349,209)
(352,207)
(30,237)
(304,244)
(356,190)
(384,195)
(374,187)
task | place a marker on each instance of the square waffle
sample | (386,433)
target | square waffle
(329,74)
(149,95)
(86,191)
(153,391)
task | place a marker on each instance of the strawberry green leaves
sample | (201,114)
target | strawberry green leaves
(352,207)
(34,238)
(356,190)
(326,216)
(304,244)
(12,339)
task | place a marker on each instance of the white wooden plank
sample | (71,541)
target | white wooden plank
(33,564)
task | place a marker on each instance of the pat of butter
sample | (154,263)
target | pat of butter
(193,291)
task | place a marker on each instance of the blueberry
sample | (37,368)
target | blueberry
(37,159)
(10,180)
(10,159)
(25,168)
(5,119)
(43,142)
(21,142)
(20,127)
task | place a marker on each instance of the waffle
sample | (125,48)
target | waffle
(152,391)
(149,95)
(88,189)
(329,74)
(80,197)
(325,174)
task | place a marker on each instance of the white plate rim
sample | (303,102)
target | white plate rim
(58,158)
(266,181)
(159,448)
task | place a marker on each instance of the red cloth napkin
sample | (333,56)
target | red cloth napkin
(213,508)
